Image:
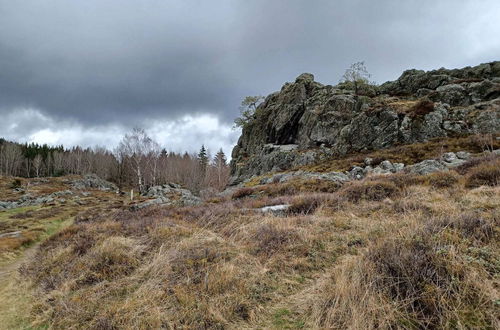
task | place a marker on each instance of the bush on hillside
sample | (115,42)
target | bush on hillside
(368,190)
(16,184)
(421,108)
(443,179)
(474,162)
(271,238)
(242,192)
(486,174)
(305,204)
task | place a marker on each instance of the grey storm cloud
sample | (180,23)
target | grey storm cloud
(119,62)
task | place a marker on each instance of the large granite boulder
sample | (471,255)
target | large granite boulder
(168,194)
(92,181)
(306,121)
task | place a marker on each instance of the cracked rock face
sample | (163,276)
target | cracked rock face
(307,121)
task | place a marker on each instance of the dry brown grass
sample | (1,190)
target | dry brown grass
(385,252)
(306,204)
(368,190)
(416,280)
(485,174)
(242,192)
(421,108)
(442,179)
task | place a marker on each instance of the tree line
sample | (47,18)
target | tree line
(138,162)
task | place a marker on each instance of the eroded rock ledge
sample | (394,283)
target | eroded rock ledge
(307,121)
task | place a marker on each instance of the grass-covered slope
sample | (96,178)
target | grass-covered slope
(396,251)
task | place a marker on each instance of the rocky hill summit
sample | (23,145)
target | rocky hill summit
(307,121)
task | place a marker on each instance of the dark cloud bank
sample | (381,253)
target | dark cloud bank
(96,65)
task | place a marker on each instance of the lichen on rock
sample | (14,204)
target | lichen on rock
(307,121)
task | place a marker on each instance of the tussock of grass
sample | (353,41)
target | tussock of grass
(443,179)
(306,204)
(485,174)
(242,192)
(368,190)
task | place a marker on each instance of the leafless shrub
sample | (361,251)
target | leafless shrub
(403,206)
(421,108)
(368,190)
(486,174)
(305,204)
(270,238)
(408,270)
(443,179)
(242,192)
(485,141)
(473,162)
(469,225)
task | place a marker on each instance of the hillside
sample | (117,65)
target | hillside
(374,211)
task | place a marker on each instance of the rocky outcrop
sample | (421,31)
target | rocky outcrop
(168,194)
(92,181)
(29,200)
(307,121)
(446,162)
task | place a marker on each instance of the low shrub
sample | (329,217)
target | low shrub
(428,285)
(442,179)
(368,190)
(474,162)
(485,174)
(469,225)
(271,239)
(242,192)
(305,204)
(421,108)
(17,183)
(111,259)
(403,206)
(401,180)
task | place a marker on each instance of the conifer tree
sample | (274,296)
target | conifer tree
(203,159)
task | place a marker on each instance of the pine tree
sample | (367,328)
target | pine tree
(203,159)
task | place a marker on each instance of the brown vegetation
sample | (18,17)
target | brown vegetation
(406,154)
(368,190)
(485,174)
(421,108)
(443,179)
(419,256)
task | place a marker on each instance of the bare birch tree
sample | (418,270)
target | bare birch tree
(142,151)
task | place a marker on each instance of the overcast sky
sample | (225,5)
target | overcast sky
(84,72)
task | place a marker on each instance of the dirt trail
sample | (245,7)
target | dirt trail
(14,293)
(10,268)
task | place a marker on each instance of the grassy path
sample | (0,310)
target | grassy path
(15,294)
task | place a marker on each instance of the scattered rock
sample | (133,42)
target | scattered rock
(14,234)
(275,209)
(427,166)
(463,155)
(357,173)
